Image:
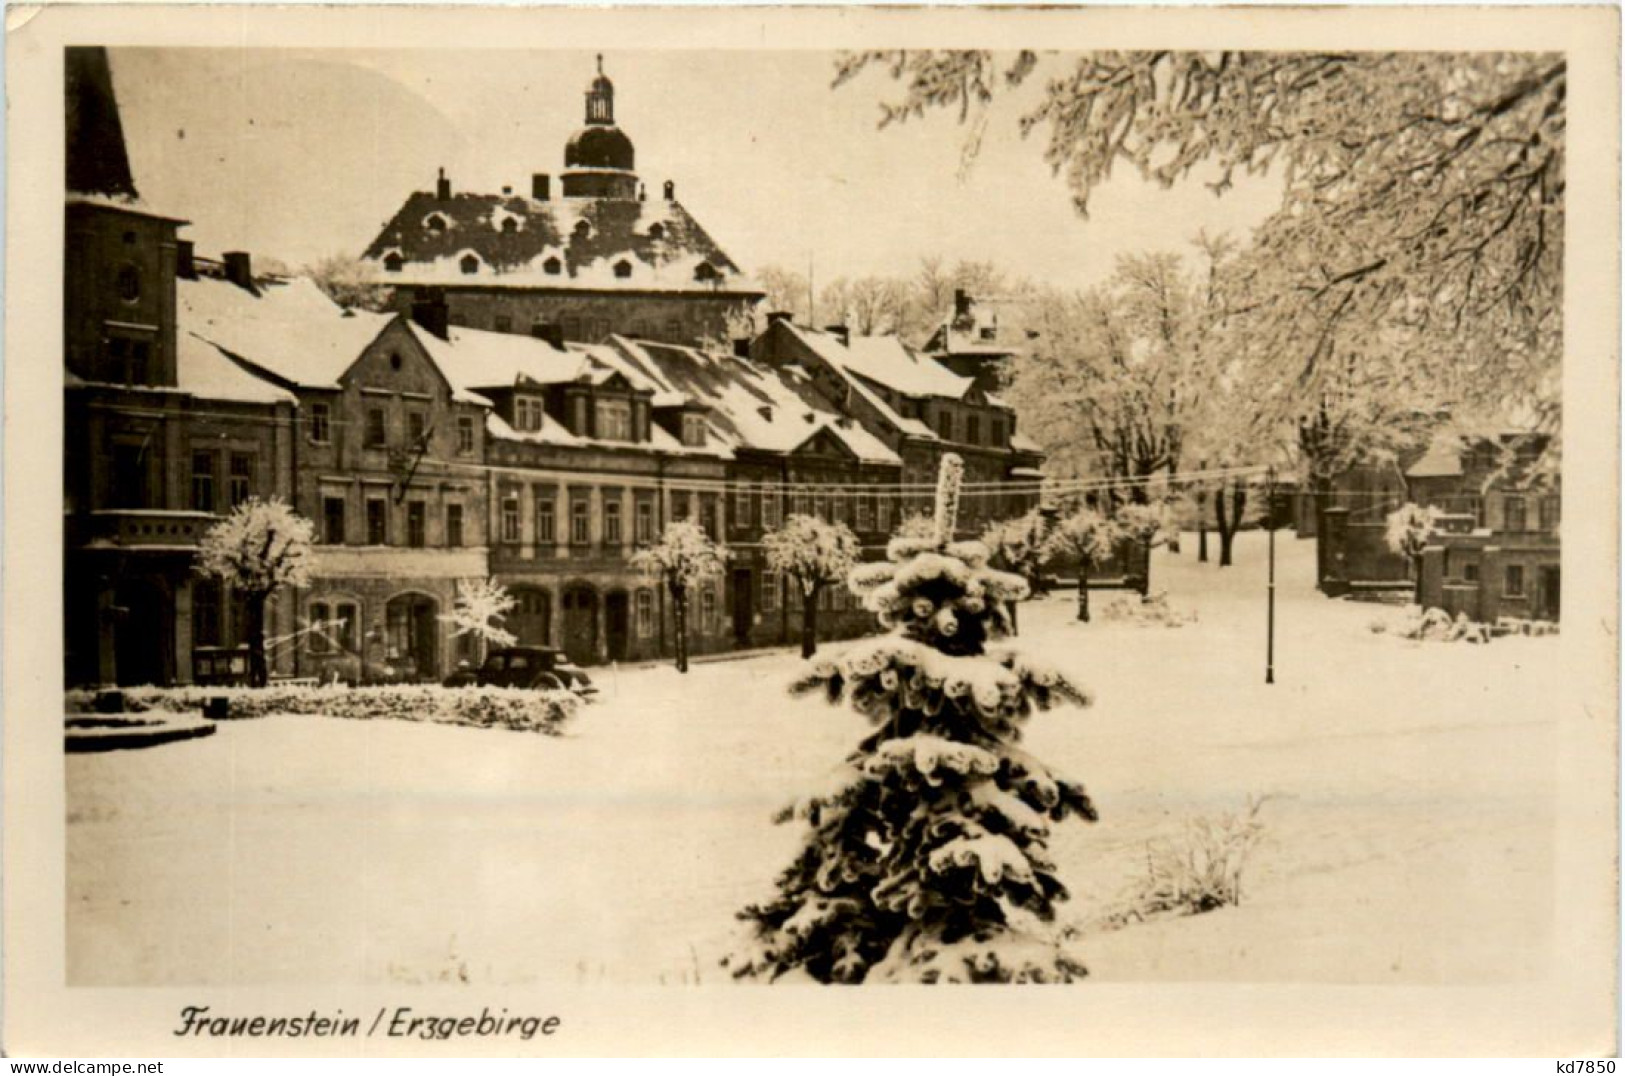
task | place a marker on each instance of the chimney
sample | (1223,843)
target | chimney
(185,263)
(541,186)
(506,191)
(239,269)
(840,332)
(430,312)
(962,303)
(442,187)
(776,316)
(552,332)
(671,191)
(766,411)
(742,347)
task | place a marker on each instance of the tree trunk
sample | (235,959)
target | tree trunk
(1083,591)
(1416,564)
(679,612)
(1229,526)
(1201,526)
(1014,630)
(254,615)
(1222,525)
(809,623)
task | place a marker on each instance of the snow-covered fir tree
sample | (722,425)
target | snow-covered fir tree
(925,860)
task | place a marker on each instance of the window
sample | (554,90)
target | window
(819,507)
(348,617)
(393,262)
(552,267)
(1469,572)
(465,435)
(708,611)
(883,514)
(645,602)
(469,265)
(1551,513)
(436,222)
(580,523)
(376,436)
(203,481)
(865,511)
(657,231)
(242,476)
(416,427)
(973,429)
(510,519)
(770,592)
(742,505)
(377,521)
(998,433)
(582,230)
(694,431)
(527,411)
(454,525)
(320,420)
(510,226)
(613,420)
(320,614)
(127,360)
(708,517)
(612,522)
(623,269)
(826,597)
(1512,586)
(770,508)
(643,525)
(205,613)
(333,520)
(705,272)
(945,425)
(502,323)
(546,527)
(416,533)
(129,283)
(674,329)
(1516,515)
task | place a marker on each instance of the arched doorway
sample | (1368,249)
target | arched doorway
(581,623)
(143,633)
(412,637)
(617,624)
(531,620)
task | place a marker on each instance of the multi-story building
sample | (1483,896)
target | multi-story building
(162,433)
(919,409)
(599,255)
(791,451)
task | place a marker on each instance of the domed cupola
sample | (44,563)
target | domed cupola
(598,159)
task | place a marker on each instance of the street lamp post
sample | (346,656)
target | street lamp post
(1269,522)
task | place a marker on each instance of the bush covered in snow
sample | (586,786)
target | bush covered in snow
(1434,624)
(1197,871)
(925,858)
(481,707)
(1146,612)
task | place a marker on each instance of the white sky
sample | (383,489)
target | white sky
(297,154)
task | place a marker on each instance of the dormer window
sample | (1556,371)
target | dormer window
(990,332)
(612,420)
(694,431)
(435,222)
(623,269)
(552,267)
(582,231)
(527,414)
(705,272)
(470,264)
(657,231)
(509,226)
(393,262)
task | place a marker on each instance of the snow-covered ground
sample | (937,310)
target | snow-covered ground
(1408,827)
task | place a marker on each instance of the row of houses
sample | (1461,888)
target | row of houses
(428,451)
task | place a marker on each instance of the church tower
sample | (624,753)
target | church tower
(598,159)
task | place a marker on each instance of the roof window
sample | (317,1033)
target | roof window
(623,269)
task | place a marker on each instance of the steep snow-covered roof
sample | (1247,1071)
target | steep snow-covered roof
(205,371)
(553,432)
(1441,460)
(476,359)
(587,243)
(887,361)
(751,405)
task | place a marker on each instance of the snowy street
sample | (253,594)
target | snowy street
(1408,829)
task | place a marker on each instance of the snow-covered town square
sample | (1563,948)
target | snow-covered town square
(676,522)
(1393,839)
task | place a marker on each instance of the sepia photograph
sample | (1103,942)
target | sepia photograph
(550,516)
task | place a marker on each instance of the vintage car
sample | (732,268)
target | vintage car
(540,667)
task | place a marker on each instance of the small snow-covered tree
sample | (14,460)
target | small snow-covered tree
(925,860)
(685,557)
(1017,545)
(815,554)
(1088,537)
(349,281)
(260,548)
(479,608)
(1149,526)
(1410,529)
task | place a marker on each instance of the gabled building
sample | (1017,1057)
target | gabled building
(791,452)
(974,342)
(162,434)
(919,409)
(386,460)
(599,254)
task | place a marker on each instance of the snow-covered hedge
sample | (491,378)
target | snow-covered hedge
(1433,624)
(1147,611)
(481,707)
